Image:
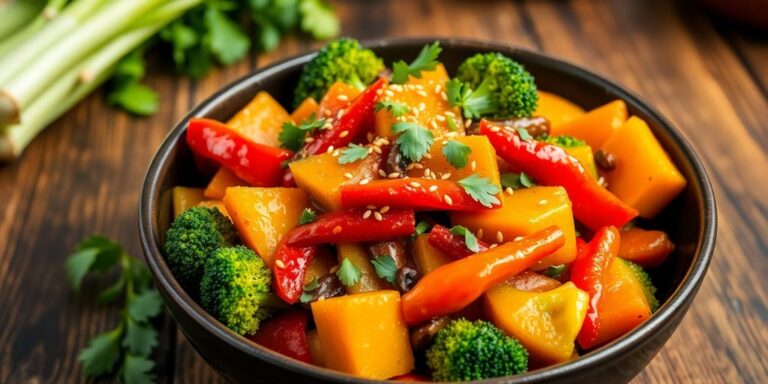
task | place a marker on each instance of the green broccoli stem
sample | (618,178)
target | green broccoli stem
(81,80)
(270,300)
(48,14)
(102,27)
(18,13)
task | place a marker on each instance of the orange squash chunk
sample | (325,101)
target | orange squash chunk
(623,305)
(263,216)
(645,177)
(223,179)
(305,110)
(339,96)
(595,126)
(218,204)
(483,155)
(358,256)
(427,257)
(185,198)
(556,109)
(364,335)
(261,120)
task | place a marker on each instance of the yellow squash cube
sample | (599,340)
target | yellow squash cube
(645,177)
(263,216)
(525,212)
(223,179)
(185,198)
(483,156)
(427,257)
(322,175)
(595,126)
(358,256)
(261,120)
(364,334)
(556,109)
(584,155)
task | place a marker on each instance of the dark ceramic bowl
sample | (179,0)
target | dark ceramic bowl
(690,221)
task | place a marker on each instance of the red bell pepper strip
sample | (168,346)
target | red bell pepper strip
(451,245)
(417,194)
(353,226)
(455,285)
(588,272)
(286,333)
(291,263)
(255,163)
(549,164)
(344,129)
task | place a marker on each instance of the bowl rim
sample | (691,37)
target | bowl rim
(680,297)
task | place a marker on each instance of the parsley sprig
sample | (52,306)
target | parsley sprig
(124,350)
(457,153)
(469,238)
(481,189)
(308,215)
(425,61)
(474,103)
(348,274)
(353,153)
(292,136)
(414,139)
(395,108)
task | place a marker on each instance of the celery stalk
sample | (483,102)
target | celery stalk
(18,13)
(50,12)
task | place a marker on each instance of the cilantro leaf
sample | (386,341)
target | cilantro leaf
(474,104)
(414,139)
(554,271)
(385,267)
(526,180)
(308,215)
(145,306)
(457,153)
(292,136)
(101,354)
(136,370)
(452,124)
(425,61)
(481,190)
(353,153)
(125,89)
(318,19)
(228,41)
(112,292)
(517,180)
(307,293)
(139,338)
(395,108)
(348,273)
(469,238)
(421,228)
(96,253)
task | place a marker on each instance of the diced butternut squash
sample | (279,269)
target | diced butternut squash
(546,323)
(623,305)
(305,110)
(427,257)
(261,120)
(595,126)
(525,212)
(483,155)
(320,265)
(263,216)
(556,109)
(185,198)
(322,175)
(584,155)
(339,96)
(315,349)
(424,99)
(645,177)
(358,256)
(218,204)
(364,335)
(223,179)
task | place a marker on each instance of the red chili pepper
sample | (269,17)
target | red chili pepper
(417,194)
(354,120)
(255,163)
(353,226)
(454,246)
(455,285)
(588,273)
(549,164)
(291,263)
(286,333)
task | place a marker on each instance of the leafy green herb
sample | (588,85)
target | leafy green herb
(414,139)
(523,133)
(421,228)
(131,342)
(425,61)
(452,124)
(475,104)
(348,273)
(562,141)
(457,153)
(395,108)
(353,153)
(317,19)
(126,90)
(469,238)
(292,136)
(481,190)
(307,293)
(385,267)
(308,215)
(554,271)
(517,180)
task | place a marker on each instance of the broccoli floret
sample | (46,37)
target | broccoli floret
(563,141)
(465,350)
(192,239)
(235,287)
(341,60)
(511,88)
(648,288)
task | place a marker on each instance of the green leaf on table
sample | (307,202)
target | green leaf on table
(385,267)
(348,273)
(308,215)
(134,97)
(139,338)
(425,61)
(456,153)
(318,19)
(414,139)
(228,41)
(145,305)
(101,354)
(481,190)
(137,370)
(113,292)
(469,238)
(353,153)
(95,253)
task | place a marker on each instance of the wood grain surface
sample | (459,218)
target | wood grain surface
(83,175)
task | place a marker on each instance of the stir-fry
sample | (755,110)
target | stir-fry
(403,224)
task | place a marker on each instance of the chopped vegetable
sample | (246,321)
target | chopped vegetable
(286,333)
(289,269)
(455,242)
(353,226)
(185,198)
(595,126)
(423,194)
(649,249)
(358,256)
(624,304)
(260,120)
(223,179)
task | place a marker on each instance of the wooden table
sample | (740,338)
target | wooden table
(83,175)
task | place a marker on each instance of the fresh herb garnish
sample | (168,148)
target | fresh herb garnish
(292,136)
(385,267)
(126,90)
(395,108)
(307,293)
(132,341)
(414,139)
(421,228)
(425,61)
(353,153)
(523,133)
(517,180)
(469,238)
(308,215)
(457,153)
(348,273)
(452,124)
(554,271)
(475,103)
(562,141)
(481,190)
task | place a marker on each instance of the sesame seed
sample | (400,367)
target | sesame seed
(422,106)
(447,199)
(384,209)
(421,93)
(369,206)
(414,184)
(542,202)
(444,96)
(382,173)
(330,149)
(433,123)
(339,114)
(379,91)
(451,134)
(427,155)
(369,136)
(334,269)
(444,142)
(344,134)
(449,113)
(327,113)
(370,150)
(438,88)
(410,166)
(348,175)
(419,86)
(364,181)
(309,139)
(480,232)
(280,264)
(367,214)
(427,172)
(335,153)
(492,246)
(440,118)
(446,176)
(378,216)
(384,141)
(389,93)
(377,149)
(467,123)
(418,166)
(495,128)
(433,188)
(473,165)
(393,175)
(337,229)
(518,238)
(509,191)
(342,97)
(499,236)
